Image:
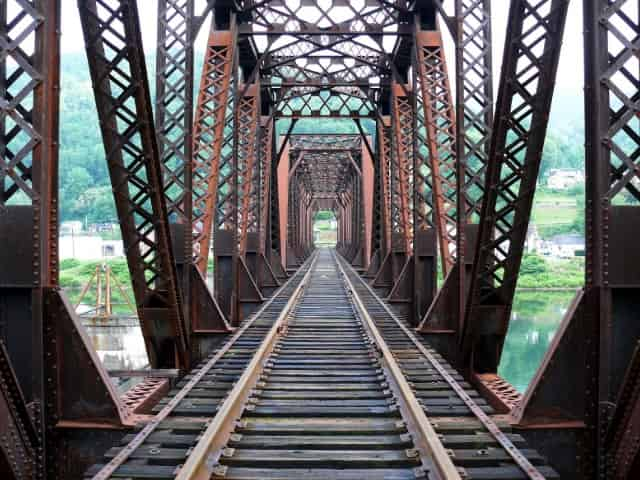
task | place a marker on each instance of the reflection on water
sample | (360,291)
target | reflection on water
(535,318)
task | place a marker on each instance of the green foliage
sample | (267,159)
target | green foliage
(538,272)
(324,215)
(533,265)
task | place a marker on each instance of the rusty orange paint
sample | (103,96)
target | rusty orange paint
(216,78)
(283,201)
(445,224)
(367,201)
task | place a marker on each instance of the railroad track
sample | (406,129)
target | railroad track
(481,447)
(161,446)
(323,407)
(326,383)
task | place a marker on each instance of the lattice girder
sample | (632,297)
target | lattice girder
(247,164)
(211,133)
(402,168)
(526,88)
(440,132)
(118,72)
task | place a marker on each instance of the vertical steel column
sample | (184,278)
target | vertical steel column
(226,211)
(117,65)
(402,170)
(48,370)
(247,165)
(174,117)
(440,160)
(267,276)
(474,114)
(597,341)
(402,144)
(284,194)
(212,125)
(436,168)
(213,117)
(531,57)
(28,228)
(174,110)
(378,248)
(474,103)
(273,231)
(384,277)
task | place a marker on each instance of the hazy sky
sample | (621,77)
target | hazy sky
(570,77)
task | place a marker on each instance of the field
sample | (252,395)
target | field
(552,210)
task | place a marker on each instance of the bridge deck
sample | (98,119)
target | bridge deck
(324,382)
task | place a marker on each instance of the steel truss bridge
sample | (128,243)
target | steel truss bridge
(303,363)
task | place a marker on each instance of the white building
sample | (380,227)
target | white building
(564,178)
(564,246)
(89,247)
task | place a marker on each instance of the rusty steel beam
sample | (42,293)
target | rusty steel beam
(270,272)
(474,114)
(597,339)
(282,183)
(474,100)
(402,168)
(402,199)
(18,451)
(29,87)
(248,164)
(531,55)
(174,122)
(622,443)
(383,277)
(174,108)
(213,110)
(368,185)
(235,286)
(248,153)
(117,65)
(51,375)
(440,160)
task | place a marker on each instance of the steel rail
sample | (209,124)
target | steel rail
(202,459)
(521,461)
(429,439)
(109,468)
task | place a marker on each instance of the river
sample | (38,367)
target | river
(534,321)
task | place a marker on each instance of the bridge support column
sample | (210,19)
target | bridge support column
(596,345)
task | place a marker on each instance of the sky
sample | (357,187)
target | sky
(570,71)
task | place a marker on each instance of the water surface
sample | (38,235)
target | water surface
(534,321)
